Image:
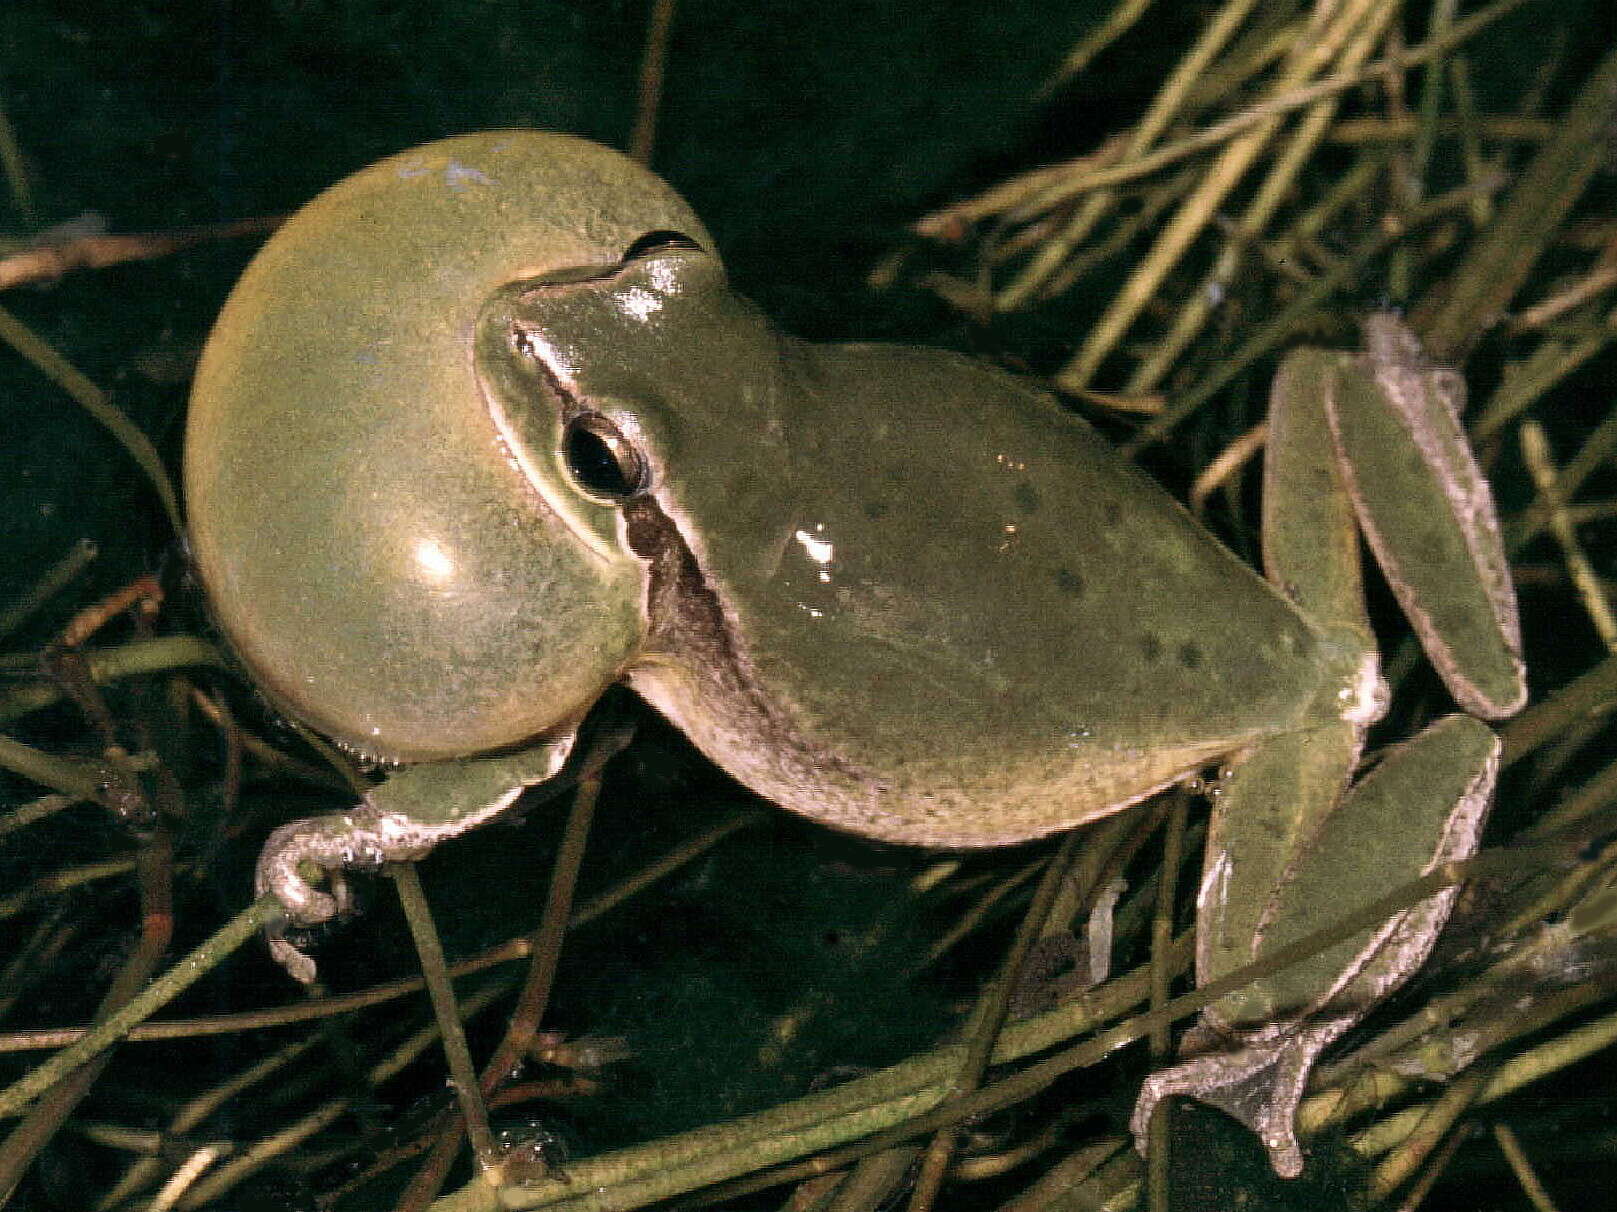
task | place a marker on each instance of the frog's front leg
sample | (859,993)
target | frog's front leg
(400,819)
(1292,846)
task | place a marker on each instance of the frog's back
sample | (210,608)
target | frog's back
(979,624)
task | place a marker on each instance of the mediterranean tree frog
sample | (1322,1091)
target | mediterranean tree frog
(483,430)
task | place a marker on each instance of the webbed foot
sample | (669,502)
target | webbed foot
(1259,1084)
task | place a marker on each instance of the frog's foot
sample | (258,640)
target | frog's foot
(364,838)
(330,843)
(399,820)
(1259,1083)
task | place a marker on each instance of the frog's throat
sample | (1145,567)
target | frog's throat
(698,675)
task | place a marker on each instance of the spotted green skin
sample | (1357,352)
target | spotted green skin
(891,589)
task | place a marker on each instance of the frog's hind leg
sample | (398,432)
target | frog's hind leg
(1428,514)
(1421,806)
(1376,438)
(1292,849)
(1278,795)
(1281,790)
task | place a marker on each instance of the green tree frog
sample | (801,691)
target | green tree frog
(483,430)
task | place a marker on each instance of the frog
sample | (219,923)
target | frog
(484,430)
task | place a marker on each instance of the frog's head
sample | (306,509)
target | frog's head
(403,557)
(622,385)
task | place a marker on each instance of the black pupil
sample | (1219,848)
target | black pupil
(598,463)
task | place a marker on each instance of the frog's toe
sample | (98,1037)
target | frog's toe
(299,965)
(1259,1084)
(279,874)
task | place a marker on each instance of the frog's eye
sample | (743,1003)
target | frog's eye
(603,463)
(654,242)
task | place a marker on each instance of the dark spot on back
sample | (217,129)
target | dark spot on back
(1150,647)
(1190,656)
(1027,497)
(1111,513)
(1069,581)
(875,510)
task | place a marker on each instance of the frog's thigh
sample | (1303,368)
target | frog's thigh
(1310,534)
(1422,805)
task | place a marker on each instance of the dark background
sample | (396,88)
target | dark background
(808,136)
